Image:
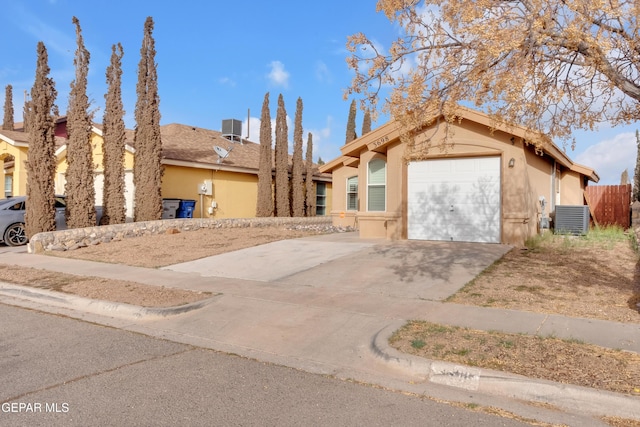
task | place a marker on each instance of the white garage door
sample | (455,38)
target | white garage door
(454,200)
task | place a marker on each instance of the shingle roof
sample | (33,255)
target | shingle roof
(21,137)
(15,135)
(193,144)
(189,144)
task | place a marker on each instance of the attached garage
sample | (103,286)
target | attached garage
(465,180)
(454,200)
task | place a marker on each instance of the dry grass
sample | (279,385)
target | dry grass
(548,358)
(594,277)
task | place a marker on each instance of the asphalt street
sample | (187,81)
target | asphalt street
(61,371)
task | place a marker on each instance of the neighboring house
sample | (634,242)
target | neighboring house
(485,185)
(13,154)
(189,162)
(230,175)
(96,152)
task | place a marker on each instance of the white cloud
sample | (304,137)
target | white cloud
(278,76)
(322,72)
(254,129)
(61,42)
(610,157)
(227,81)
(322,146)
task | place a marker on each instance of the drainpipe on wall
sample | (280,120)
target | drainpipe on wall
(553,187)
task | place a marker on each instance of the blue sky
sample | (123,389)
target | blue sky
(216,60)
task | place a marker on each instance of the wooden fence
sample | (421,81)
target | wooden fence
(609,204)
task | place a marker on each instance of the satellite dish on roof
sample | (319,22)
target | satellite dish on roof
(221,152)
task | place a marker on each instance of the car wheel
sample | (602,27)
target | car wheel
(15,235)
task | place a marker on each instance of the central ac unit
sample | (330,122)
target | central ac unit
(572,219)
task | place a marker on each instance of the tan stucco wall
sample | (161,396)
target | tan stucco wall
(341,216)
(522,185)
(387,224)
(571,188)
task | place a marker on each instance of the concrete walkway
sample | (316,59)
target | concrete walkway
(328,304)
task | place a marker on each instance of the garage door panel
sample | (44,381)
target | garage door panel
(454,200)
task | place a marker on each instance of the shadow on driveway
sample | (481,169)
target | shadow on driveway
(407,269)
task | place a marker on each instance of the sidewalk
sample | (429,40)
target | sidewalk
(332,312)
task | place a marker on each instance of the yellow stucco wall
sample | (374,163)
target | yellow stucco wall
(19,171)
(235,194)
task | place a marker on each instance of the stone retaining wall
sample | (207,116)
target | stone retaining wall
(66,240)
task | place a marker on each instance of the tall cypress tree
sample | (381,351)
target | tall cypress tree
(25,112)
(310,193)
(283,204)
(264,206)
(41,166)
(79,185)
(113,147)
(297,184)
(366,122)
(351,123)
(7,123)
(147,170)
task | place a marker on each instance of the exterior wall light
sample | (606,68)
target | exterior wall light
(512,162)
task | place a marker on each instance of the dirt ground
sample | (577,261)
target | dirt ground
(175,247)
(563,275)
(151,252)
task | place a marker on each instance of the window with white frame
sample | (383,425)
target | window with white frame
(352,193)
(8,186)
(321,199)
(376,185)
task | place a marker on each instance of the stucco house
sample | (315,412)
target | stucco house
(229,173)
(487,184)
(223,186)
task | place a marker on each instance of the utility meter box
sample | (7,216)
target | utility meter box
(206,187)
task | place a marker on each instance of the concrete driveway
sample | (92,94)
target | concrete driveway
(343,262)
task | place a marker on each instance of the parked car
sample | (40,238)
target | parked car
(12,209)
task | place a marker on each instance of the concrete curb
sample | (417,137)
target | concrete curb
(566,396)
(101,307)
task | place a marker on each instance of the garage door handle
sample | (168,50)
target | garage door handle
(451,208)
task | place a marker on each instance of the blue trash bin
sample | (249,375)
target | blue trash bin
(185,209)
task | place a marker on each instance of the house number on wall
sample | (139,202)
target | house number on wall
(380,141)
